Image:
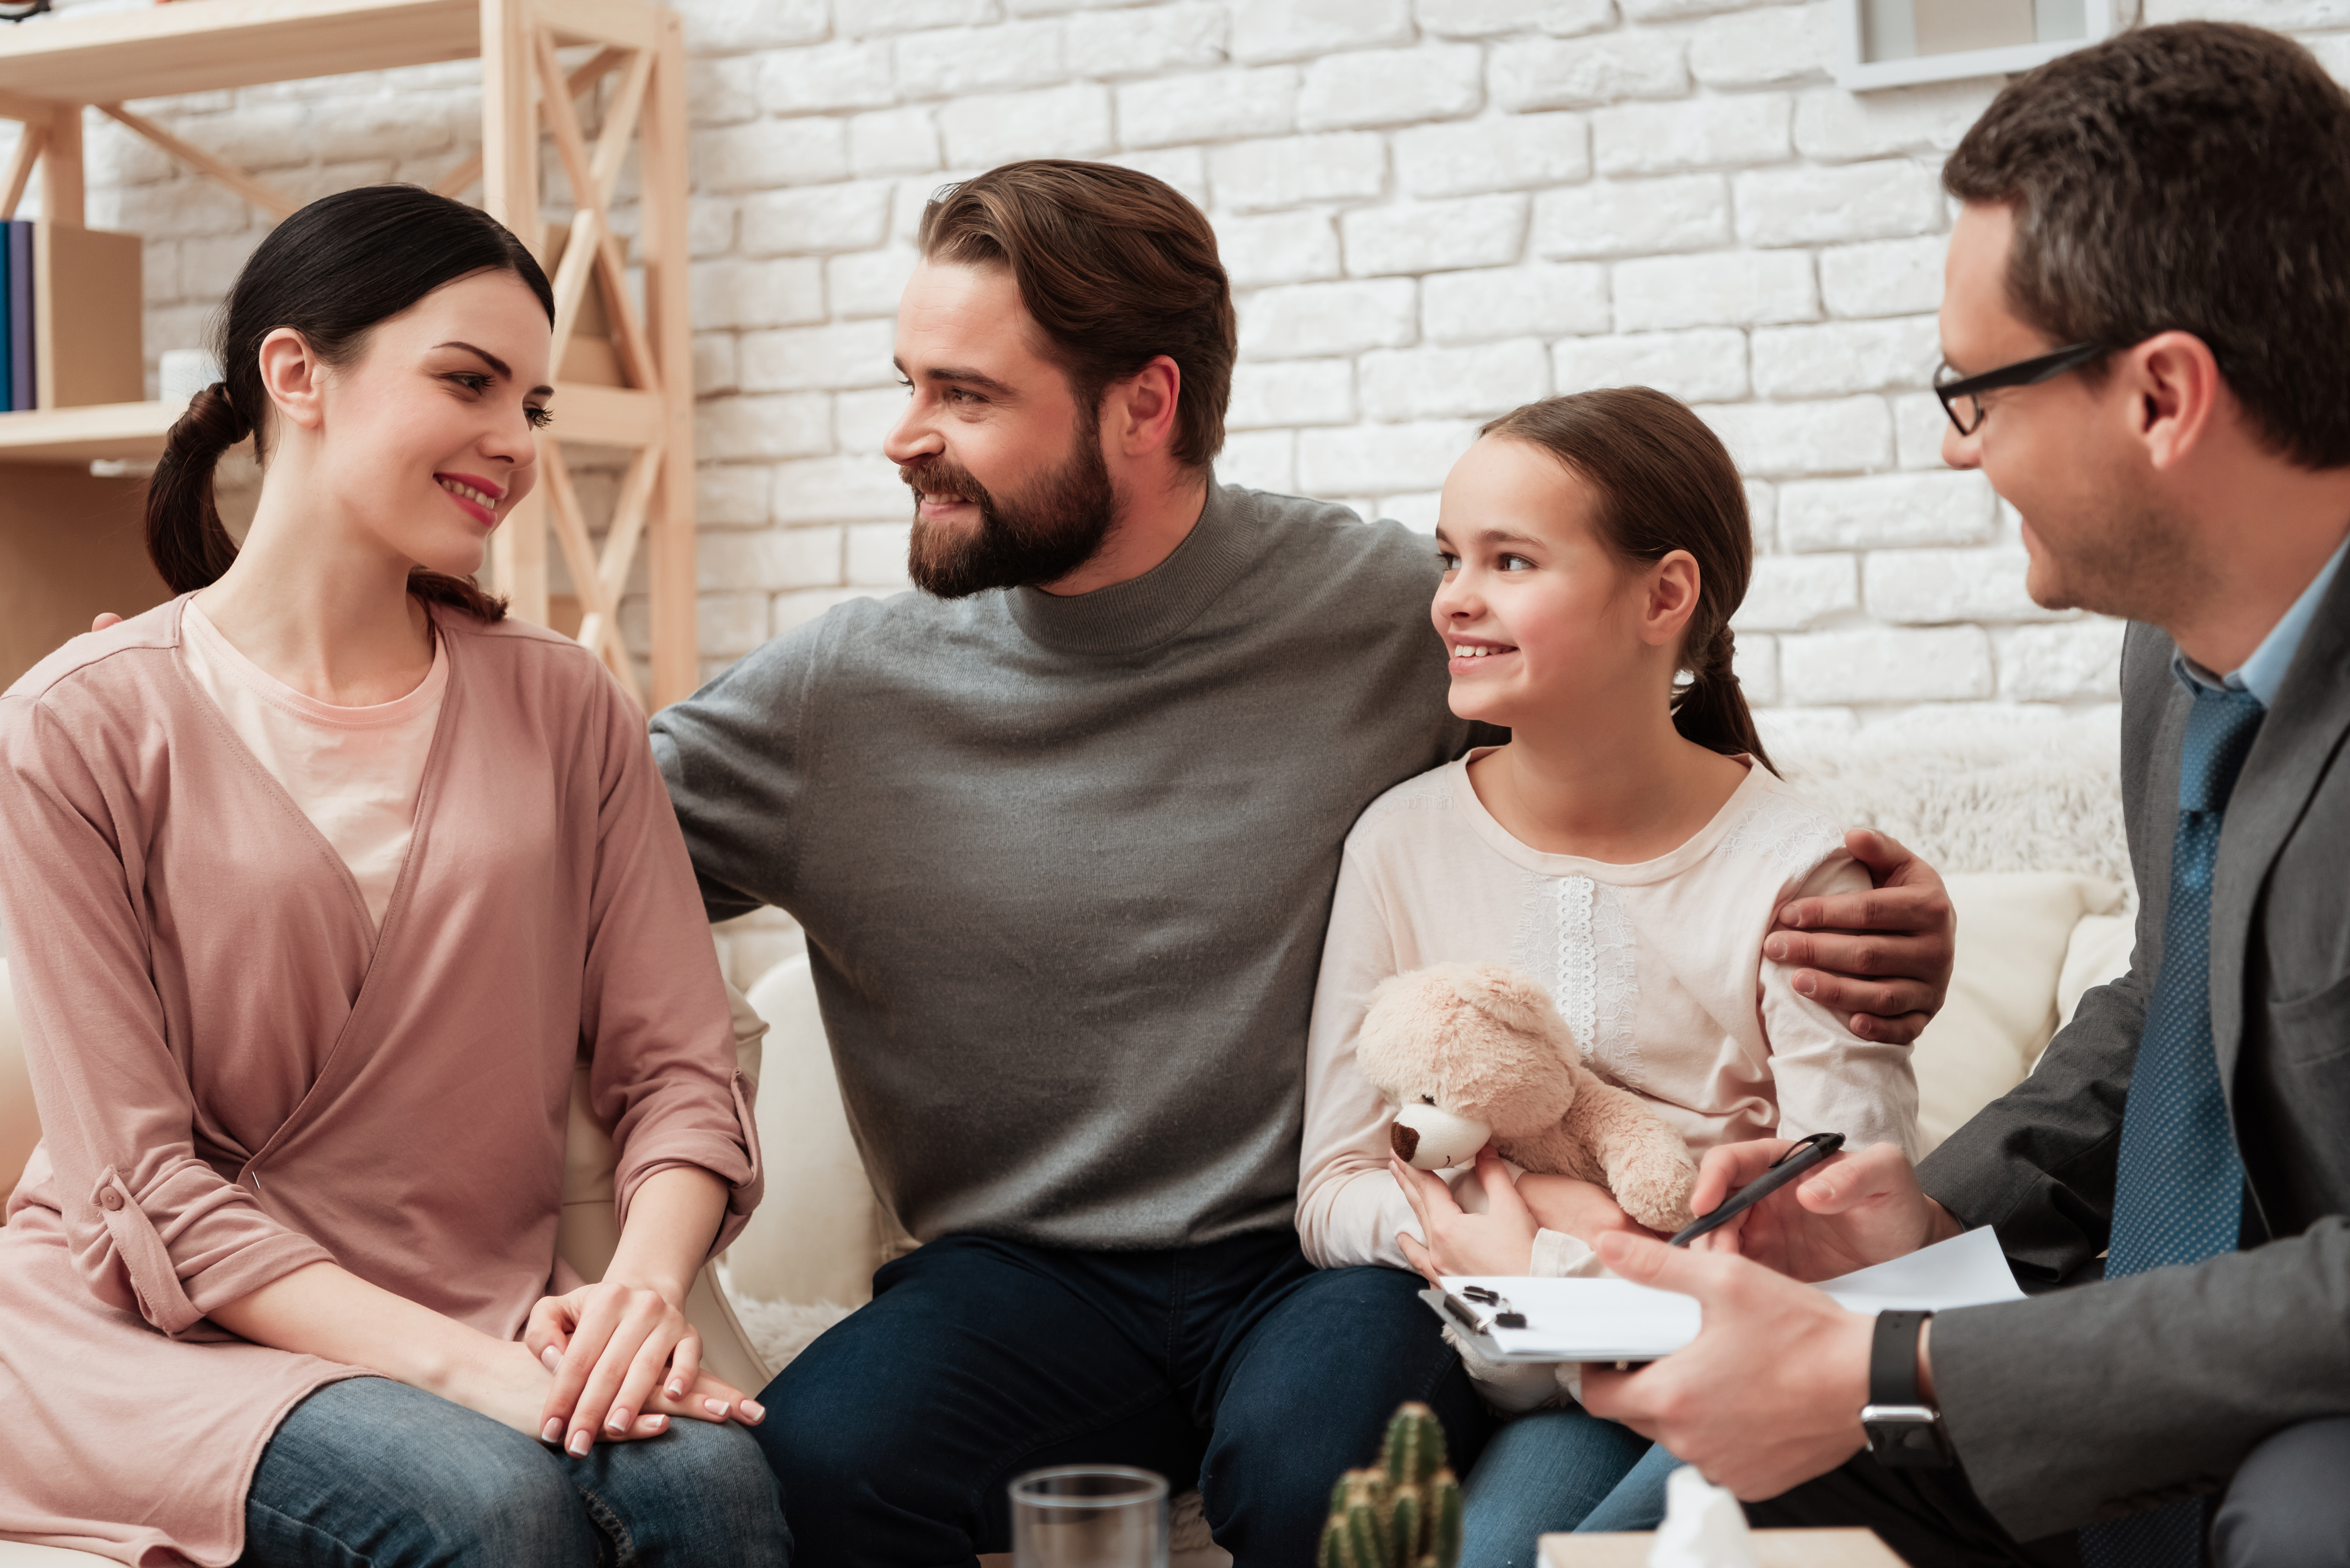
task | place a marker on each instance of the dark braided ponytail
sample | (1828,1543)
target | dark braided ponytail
(331,272)
(184,528)
(1665,483)
(1712,708)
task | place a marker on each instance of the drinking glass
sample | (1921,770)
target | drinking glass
(1089,1516)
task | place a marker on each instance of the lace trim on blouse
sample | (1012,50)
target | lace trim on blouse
(1576,936)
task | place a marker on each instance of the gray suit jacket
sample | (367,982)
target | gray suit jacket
(2104,1398)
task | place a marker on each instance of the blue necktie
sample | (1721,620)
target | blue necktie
(2179,1191)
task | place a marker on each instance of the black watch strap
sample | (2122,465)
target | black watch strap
(1893,1358)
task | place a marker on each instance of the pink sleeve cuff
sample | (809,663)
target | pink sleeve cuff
(173,1305)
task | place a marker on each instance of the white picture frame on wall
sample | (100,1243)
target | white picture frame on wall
(1899,43)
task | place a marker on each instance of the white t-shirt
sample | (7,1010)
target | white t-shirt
(354,772)
(1657,967)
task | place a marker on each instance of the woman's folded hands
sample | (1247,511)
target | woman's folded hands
(623,1361)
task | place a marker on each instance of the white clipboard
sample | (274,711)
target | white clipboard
(1615,1320)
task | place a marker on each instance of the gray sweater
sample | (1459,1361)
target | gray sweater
(1064,863)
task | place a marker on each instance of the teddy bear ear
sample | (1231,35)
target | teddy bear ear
(1510,998)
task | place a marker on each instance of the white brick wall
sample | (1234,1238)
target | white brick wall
(1432,209)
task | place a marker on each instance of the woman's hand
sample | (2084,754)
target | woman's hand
(322,1310)
(1498,1241)
(622,1354)
(1582,1209)
(509,1385)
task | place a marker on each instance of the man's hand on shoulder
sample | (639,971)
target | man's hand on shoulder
(1883,958)
(105,618)
(1769,1393)
(1851,1211)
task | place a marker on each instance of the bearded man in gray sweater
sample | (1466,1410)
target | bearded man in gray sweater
(1062,828)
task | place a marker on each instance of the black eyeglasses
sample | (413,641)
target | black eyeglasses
(1962,397)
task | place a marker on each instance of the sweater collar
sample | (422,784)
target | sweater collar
(1141,613)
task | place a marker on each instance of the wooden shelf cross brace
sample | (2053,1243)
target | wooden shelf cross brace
(20,168)
(600,582)
(593,173)
(277,205)
(606,61)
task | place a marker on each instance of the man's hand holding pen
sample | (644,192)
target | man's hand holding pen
(1852,1209)
(1769,1393)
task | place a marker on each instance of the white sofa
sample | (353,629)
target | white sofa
(2022,818)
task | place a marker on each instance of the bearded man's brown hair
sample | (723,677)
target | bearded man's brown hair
(1116,267)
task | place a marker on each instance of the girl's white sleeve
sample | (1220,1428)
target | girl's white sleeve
(1829,1079)
(1348,1207)
(1514,1387)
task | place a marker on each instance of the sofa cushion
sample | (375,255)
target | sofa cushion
(18,1554)
(817,1237)
(20,1126)
(2100,951)
(2015,937)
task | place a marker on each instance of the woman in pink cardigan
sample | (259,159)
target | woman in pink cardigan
(319,880)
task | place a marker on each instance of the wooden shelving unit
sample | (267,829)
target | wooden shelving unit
(633,389)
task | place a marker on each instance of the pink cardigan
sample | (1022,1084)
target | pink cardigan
(236,1079)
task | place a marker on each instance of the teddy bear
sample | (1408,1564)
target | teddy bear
(1471,1052)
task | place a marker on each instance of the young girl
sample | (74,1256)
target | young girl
(1627,849)
(319,880)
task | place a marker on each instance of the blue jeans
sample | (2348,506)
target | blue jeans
(1552,1471)
(368,1473)
(1237,1367)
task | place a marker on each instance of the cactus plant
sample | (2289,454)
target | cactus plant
(1403,1513)
(1404,1527)
(1414,1448)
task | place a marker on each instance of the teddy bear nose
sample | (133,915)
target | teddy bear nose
(1439,1138)
(1427,1099)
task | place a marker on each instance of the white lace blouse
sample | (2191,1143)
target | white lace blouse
(1658,967)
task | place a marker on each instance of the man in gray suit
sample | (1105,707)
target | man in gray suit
(2147,329)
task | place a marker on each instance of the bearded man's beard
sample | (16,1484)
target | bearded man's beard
(1040,535)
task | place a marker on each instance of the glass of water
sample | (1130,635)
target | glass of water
(1089,1516)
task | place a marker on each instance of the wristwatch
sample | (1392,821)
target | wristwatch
(1904,1431)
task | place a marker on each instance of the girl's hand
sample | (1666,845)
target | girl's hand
(1498,1241)
(622,1354)
(1582,1209)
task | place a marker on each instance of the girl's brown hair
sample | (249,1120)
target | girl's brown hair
(1664,482)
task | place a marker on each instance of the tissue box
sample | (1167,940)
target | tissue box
(1772,1549)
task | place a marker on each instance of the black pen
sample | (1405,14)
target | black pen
(1783,1171)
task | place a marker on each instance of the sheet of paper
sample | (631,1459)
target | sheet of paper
(1968,1269)
(1615,1320)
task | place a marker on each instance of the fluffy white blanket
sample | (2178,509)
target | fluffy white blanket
(1974,796)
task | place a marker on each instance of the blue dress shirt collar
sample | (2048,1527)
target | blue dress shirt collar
(2263,673)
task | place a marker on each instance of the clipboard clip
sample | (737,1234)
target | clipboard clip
(1504,1315)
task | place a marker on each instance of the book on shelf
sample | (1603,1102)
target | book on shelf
(69,317)
(20,326)
(7,359)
